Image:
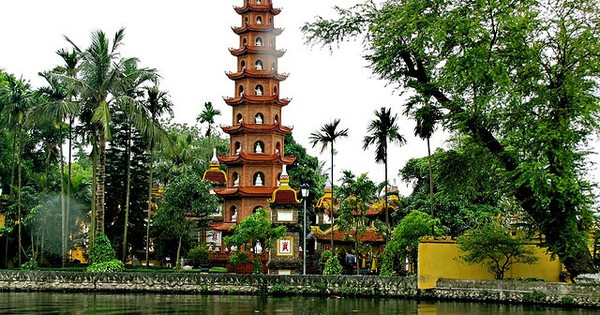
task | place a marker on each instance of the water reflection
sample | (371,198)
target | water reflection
(57,303)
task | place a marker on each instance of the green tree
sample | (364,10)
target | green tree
(520,78)
(493,245)
(326,136)
(158,103)
(406,236)
(102,77)
(382,130)
(17,98)
(208,115)
(186,195)
(357,194)
(254,229)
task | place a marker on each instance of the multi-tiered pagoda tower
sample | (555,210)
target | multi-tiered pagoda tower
(256,134)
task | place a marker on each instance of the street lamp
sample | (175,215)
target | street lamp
(304,190)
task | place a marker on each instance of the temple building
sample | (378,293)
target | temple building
(256,159)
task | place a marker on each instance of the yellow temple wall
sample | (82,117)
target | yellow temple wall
(441,259)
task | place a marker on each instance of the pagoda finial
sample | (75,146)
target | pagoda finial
(284,178)
(214,159)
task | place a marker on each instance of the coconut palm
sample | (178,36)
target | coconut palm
(382,130)
(99,82)
(208,115)
(326,136)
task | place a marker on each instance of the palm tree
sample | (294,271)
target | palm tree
(158,103)
(427,116)
(15,103)
(208,115)
(99,83)
(326,136)
(381,130)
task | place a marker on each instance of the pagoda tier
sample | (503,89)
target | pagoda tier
(262,50)
(257,74)
(245,128)
(262,28)
(245,191)
(256,100)
(249,7)
(256,158)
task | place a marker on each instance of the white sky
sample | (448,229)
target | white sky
(188,41)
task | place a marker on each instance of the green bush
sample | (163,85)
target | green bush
(536,296)
(30,265)
(114,265)
(387,265)
(199,254)
(217,270)
(332,267)
(101,250)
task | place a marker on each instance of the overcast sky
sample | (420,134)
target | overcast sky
(188,41)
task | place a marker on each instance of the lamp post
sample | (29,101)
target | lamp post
(304,189)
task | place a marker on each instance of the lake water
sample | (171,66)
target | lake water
(77,303)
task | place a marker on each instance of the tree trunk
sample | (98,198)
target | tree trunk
(177,262)
(150,185)
(387,215)
(62,202)
(332,199)
(100,179)
(127,193)
(19,206)
(70,154)
(92,229)
(430,187)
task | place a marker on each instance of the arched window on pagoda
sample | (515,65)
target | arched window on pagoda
(244,41)
(258,65)
(259,147)
(258,90)
(246,20)
(276,119)
(258,179)
(273,65)
(258,2)
(258,20)
(277,148)
(241,90)
(270,21)
(275,90)
(238,147)
(278,179)
(232,215)
(258,119)
(243,65)
(239,118)
(258,42)
(236,179)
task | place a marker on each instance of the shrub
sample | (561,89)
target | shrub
(114,265)
(387,265)
(30,265)
(198,254)
(333,267)
(217,270)
(536,296)
(101,250)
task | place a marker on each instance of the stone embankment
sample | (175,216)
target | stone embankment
(509,291)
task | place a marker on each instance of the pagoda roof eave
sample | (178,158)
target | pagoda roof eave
(254,191)
(257,128)
(256,100)
(256,8)
(272,74)
(257,158)
(257,50)
(264,28)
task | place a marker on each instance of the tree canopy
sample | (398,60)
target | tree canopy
(518,77)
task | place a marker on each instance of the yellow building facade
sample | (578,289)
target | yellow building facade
(440,258)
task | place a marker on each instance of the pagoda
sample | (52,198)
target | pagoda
(256,156)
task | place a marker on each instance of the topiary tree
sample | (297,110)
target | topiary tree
(102,256)
(495,247)
(332,265)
